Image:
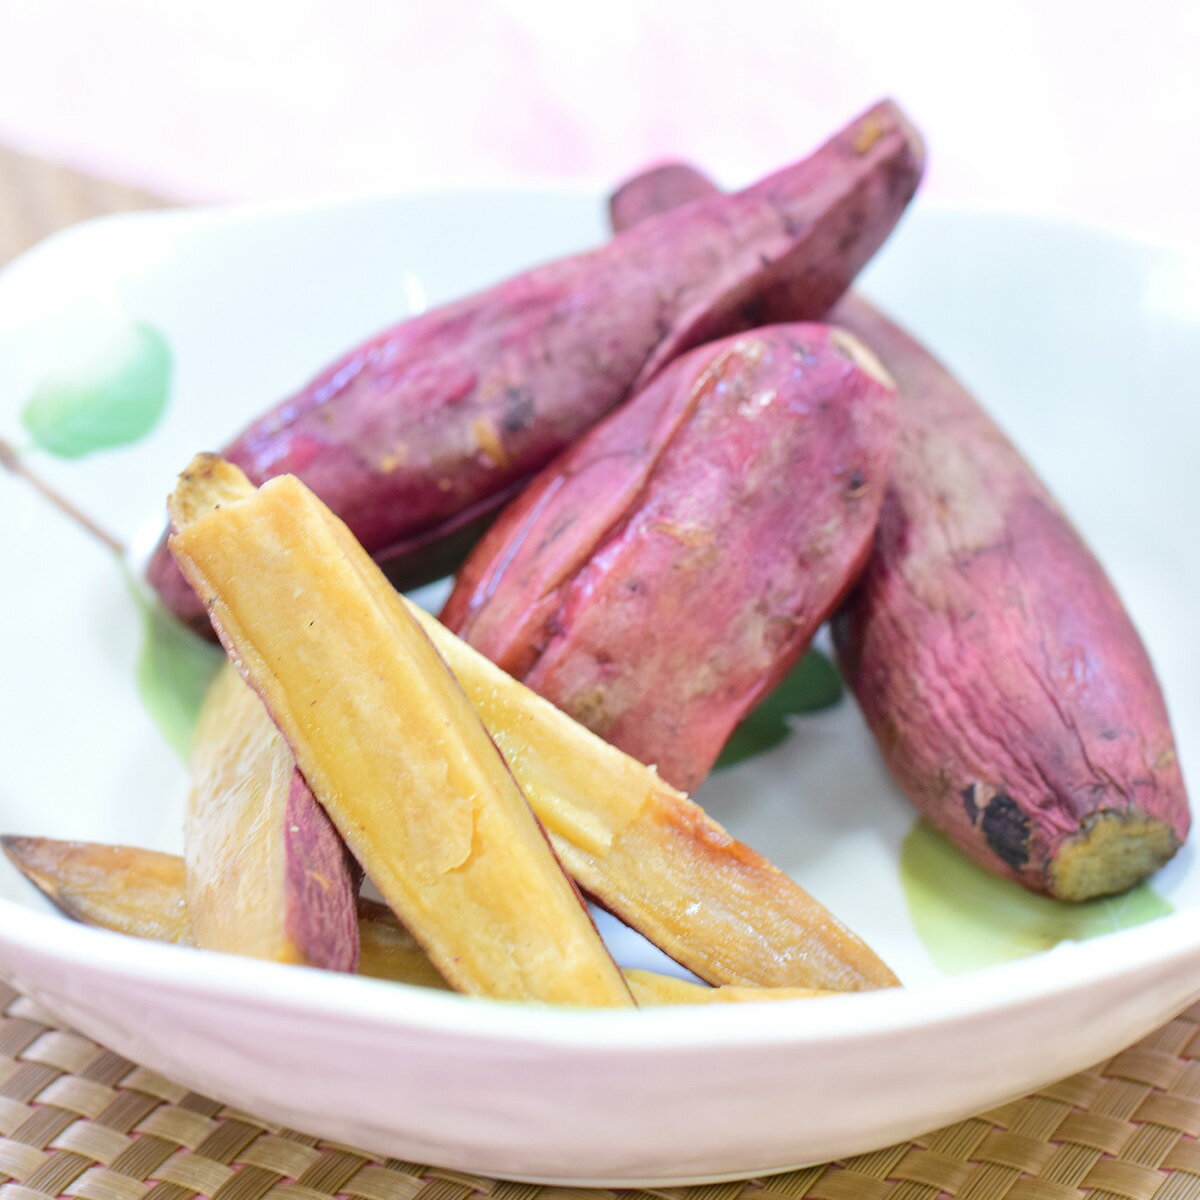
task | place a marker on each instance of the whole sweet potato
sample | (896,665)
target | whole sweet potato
(420,430)
(657,190)
(1004,681)
(1009,691)
(660,577)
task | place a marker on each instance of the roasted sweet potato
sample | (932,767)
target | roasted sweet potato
(433,422)
(657,190)
(141,893)
(1008,689)
(661,576)
(388,742)
(650,989)
(124,888)
(267,874)
(651,856)
(641,848)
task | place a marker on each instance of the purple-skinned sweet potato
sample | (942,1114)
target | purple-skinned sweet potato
(657,190)
(267,874)
(1008,689)
(435,422)
(661,576)
(1005,683)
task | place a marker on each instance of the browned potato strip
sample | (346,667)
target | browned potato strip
(650,988)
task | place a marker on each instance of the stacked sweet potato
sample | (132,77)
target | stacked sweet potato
(700,449)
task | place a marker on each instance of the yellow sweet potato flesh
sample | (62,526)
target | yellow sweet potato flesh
(653,857)
(651,988)
(641,848)
(387,740)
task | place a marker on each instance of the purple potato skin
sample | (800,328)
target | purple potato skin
(320,882)
(267,873)
(657,190)
(661,576)
(1005,683)
(433,422)
(1002,677)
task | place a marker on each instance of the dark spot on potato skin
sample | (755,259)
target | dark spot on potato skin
(1006,829)
(970,804)
(519,410)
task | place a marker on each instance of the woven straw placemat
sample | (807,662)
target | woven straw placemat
(37,198)
(78,1120)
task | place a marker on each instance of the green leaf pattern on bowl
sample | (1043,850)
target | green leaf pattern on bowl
(812,684)
(174,670)
(108,390)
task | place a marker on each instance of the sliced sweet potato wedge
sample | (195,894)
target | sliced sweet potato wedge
(124,888)
(141,893)
(267,874)
(651,988)
(388,742)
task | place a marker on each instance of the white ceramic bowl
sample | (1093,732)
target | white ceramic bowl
(1085,346)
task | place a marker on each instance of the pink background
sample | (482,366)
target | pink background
(1090,110)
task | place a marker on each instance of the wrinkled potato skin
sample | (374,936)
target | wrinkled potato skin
(1010,693)
(1006,685)
(432,423)
(661,576)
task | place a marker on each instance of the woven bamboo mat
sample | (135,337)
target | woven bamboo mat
(78,1120)
(37,198)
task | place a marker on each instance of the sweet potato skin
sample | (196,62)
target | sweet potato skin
(1005,683)
(434,421)
(661,576)
(1010,693)
(268,875)
(656,190)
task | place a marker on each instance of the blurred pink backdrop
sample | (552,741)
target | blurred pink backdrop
(1072,108)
